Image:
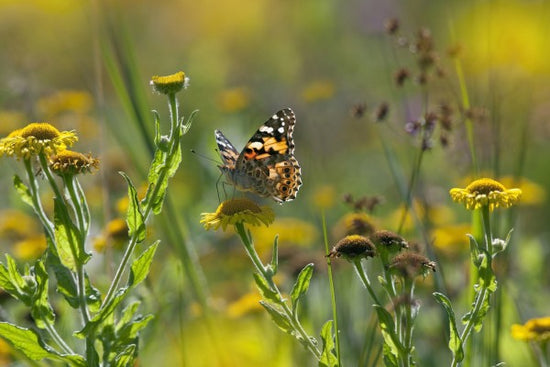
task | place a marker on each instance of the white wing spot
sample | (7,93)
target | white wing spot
(281,130)
(274,117)
(256,145)
(266,129)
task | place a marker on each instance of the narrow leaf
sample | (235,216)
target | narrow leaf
(23,191)
(41,310)
(280,319)
(65,281)
(387,327)
(265,289)
(455,344)
(134,215)
(275,255)
(328,356)
(70,247)
(140,267)
(301,286)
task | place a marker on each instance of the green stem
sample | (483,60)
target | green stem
(365,280)
(412,181)
(55,336)
(332,290)
(483,293)
(409,285)
(49,176)
(37,204)
(251,251)
(174,141)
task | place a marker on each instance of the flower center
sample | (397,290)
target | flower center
(40,130)
(234,206)
(484,186)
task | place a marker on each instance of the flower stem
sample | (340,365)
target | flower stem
(37,204)
(295,323)
(332,290)
(365,280)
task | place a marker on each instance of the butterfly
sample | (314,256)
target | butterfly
(266,166)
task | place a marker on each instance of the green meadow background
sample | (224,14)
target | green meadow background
(86,65)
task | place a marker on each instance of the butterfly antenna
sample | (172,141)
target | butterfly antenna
(205,157)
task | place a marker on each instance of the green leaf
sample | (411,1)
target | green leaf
(65,281)
(126,357)
(31,345)
(41,310)
(128,314)
(328,356)
(392,345)
(70,245)
(455,344)
(265,289)
(134,215)
(23,191)
(103,315)
(130,330)
(301,286)
(168,163)
(140,267)
(280,319)
(12,282)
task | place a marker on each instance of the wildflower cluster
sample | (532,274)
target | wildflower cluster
(110,337)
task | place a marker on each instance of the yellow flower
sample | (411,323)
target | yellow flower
(291,231)
(16,224)
(485,192)
(238,210)
(36,138)
(68,162)
(451,239)
(68,100)
(234,99)
(114,234)
(533,330)
(248,303)
(169,84)
(319,90)
(30,248)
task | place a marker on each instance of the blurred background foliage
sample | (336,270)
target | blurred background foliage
(85,65)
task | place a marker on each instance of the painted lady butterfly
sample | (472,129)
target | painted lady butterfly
(266,166)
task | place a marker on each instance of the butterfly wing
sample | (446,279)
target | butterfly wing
(267,164)
(228,152)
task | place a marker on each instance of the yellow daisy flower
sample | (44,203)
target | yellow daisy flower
(483,192)
(114,234)
(238,210)
(69,162)
(533,330)
(36,138)
(30,248)
(169,84)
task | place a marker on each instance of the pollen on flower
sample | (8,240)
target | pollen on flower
(352,247)
(238,211)
(169,84)
(36,138)
(485,192)
(69,162)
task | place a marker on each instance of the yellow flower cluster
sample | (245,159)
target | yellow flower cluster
(36,138)
(485,192)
